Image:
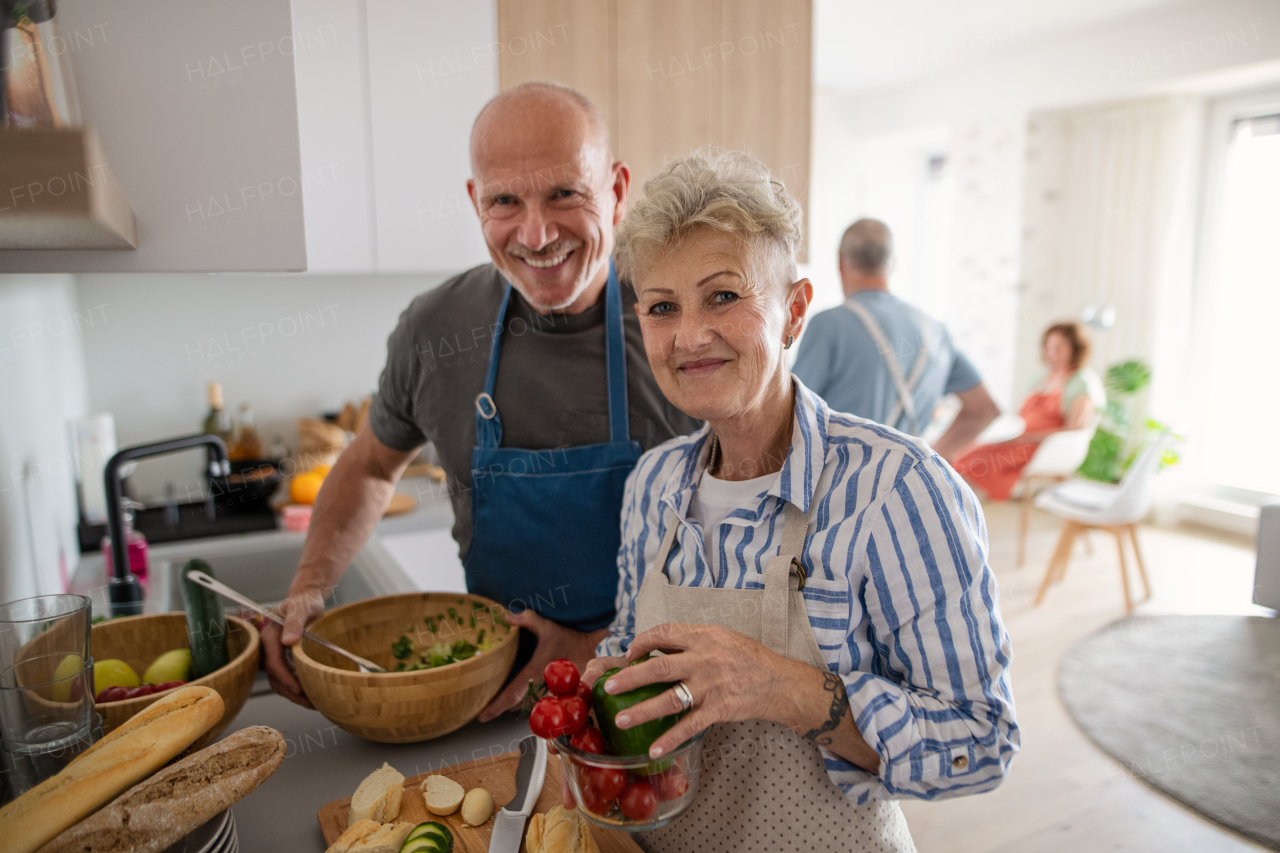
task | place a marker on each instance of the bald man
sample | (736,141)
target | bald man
(529,376)
(878,358)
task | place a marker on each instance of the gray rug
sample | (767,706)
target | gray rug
(1191,706)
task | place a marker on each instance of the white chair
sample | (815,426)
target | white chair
(1085,505)
(1058,457)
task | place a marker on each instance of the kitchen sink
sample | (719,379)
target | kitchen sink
(258,566)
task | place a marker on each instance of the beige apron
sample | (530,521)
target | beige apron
(762,786)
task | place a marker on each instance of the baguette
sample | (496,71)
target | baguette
(560,830)
(442,795)
(369,836)
(129,754)
(378,796)
(159,811)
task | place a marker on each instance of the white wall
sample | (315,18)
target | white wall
(42,388)
(292,346)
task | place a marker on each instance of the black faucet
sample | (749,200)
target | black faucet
(123,590)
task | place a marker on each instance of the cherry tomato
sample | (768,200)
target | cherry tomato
(169,685)
(588,740)
(670,784)
(548,718)
(593,801)
(584,690)
(609,782)
(638,801)
(575,712)
(562,677)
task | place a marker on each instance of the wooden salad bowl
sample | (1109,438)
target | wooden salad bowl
(139,640)
(405,707)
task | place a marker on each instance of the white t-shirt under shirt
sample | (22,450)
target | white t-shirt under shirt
(712,502)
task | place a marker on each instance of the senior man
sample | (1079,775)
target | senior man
(539,423)
(878,358)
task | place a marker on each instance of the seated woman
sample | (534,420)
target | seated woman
(1067,397)
(818,582)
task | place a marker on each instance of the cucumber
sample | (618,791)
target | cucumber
(429,837)
(206,623)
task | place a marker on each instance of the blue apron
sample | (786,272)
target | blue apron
(545,524)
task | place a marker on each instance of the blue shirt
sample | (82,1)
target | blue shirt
(842,364)
(899,593)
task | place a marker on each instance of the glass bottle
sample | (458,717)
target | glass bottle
(218,422)
(247,444)
(36,85)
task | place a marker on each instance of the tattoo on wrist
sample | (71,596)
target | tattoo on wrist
(839,705)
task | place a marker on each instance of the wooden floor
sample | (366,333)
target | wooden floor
(1063,793)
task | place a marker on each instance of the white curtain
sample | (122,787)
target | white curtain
(1108,215)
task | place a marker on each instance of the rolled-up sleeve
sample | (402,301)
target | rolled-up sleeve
(938,703)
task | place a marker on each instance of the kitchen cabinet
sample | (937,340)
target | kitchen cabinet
(384,116)
(673,75)
(432,66)
(194,106)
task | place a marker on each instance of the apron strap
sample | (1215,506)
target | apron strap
(489,424)
(777,581)
(902,386)
(616,359)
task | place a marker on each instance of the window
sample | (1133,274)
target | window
(1240,307)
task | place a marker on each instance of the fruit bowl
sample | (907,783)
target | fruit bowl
(672,782)
(139,640)
(413,706)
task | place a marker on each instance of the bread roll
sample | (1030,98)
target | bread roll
(443,795)
(560,830)
(159,811)
(477,807)
(369,836)
(378,797)
(129,754)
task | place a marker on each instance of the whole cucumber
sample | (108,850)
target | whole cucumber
(206,622)
(638,739)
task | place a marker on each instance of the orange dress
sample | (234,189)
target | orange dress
(996,468)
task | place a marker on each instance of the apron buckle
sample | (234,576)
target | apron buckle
(482,400)
(799,570)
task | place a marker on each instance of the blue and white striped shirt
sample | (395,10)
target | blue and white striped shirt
(899,594)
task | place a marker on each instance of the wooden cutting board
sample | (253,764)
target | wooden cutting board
(497,775)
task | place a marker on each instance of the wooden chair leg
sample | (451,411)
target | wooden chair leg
(1124,570)
(1022,528)
(1088,543)
(1137,553)
(1061,554)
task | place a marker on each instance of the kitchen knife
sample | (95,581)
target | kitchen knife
(508,824)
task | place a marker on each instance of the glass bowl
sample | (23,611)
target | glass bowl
(672,782)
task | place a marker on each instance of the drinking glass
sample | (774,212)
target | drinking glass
(46,672)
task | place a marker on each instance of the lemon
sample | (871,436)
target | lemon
(304,487)
(173,665)
(113,673)
(67,667)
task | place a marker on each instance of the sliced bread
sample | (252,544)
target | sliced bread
(378,797)
(443,795)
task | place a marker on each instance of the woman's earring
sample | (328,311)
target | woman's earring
(791,339)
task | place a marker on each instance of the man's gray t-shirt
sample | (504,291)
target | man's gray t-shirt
(551,389)
(839,360)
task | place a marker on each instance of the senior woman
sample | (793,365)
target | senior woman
(817,583)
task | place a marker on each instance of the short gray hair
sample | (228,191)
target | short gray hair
(729,191)
(867,246)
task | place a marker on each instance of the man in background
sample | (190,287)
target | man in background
(878,358)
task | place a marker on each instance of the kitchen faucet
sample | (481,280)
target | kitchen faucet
(123,590)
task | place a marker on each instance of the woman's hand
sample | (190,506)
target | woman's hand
(730,676)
